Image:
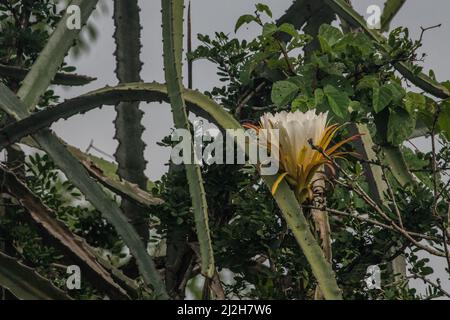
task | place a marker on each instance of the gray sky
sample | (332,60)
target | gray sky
(209,16)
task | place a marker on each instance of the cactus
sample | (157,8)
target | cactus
(61,78)
(34,85)
(73,245)
(309,15)
(391,8)
(198,103)
(75,171)
(130,151)
(50,59)
(172,13)
(25,283)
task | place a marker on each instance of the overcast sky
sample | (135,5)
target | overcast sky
(209,16)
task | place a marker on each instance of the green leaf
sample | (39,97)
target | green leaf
(260,7)
(397,91)
(414,102)
(426,271)
(244,19)
(269,29)
(300,103)
(367,82)
(319,96)
(400,126)
(444,119)
(329,36)
(283,92)
(381,98)
(421,80)
(288,29)
(338,101)
(417,163)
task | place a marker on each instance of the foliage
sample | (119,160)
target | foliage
(229,212)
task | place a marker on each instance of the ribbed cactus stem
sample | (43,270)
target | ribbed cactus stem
(130,150)
(172,16)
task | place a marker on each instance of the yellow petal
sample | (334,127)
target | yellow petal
(277,182)
(338,145)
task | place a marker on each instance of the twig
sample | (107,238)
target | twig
(431,283)
(247,98)
(394,201)
(374,222)
(360,191)
(426,29)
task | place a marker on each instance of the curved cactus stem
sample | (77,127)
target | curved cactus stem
(172,17)
(391,8)
(51,57)
(74,246)
(77,174)
(34,85)
(130,150)
(149,92)
(25,283)
(123,188)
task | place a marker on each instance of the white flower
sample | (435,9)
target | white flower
(298,160)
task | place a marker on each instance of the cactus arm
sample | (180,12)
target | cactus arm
(52,56)
(393,156)
(309,15)
(128,128)
(298,14)
(374,174)
(172,17)
(74,246)
(149,92)
(77,174)
(391,8)
(25,283)
(63,79)
(293,214)
(123,188)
